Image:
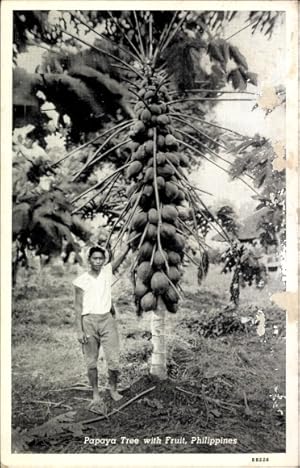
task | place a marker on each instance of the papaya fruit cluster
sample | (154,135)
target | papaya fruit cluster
(154,227)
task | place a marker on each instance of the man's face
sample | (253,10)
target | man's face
(96,261)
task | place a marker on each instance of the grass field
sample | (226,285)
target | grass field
(225,380)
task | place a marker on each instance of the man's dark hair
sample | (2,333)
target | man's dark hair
(96,249)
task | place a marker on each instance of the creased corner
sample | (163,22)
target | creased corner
(289,302)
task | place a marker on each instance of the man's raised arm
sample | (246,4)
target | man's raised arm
(117,262)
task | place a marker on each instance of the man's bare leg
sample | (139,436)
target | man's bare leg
(112,382)
(93,378)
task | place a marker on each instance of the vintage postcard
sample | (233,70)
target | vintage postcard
(149,236)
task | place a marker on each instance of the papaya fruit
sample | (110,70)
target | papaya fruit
(160,142)
(159,283)
(145,116)
(145,251)
(140,289)
(169,213)
(172,307)
(149,148)
(173,258)
(139,221)
(150,133)
(148,190)
(178,243)
(170,141)
(167,231)
(163,119)
(149,162)
(184,160)
(180,197)
(139,154)
(163,130)
(133,145)
(170,299)
(174,274)
(158,259)
(160,182)
(155,109)
(160,159)
(149,302)
(134,169)
(166,171)
(173,158)
(145,203)
(144,271)
(149,174)
(153,216)
(151,232)
(141,151)
(171,191)
(170,295)
(138,127)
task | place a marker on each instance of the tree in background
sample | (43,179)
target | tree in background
(42,217)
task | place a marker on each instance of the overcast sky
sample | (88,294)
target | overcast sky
(267,59)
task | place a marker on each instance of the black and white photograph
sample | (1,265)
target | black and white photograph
(150,233)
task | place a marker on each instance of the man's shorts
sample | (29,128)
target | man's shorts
(101,330)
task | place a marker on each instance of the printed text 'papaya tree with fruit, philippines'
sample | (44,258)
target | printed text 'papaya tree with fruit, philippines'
(166,136)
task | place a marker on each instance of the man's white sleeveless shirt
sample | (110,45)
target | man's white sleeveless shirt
(96,291)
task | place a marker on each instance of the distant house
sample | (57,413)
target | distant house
(249,233)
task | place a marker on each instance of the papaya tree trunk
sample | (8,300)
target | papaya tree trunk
(159,355)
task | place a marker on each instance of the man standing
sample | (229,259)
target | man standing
(95,324)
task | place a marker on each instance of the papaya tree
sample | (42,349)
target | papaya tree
(166,136)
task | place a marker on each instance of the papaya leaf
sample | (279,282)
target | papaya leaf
(236,78)
(252,78)
(20,218)
(25,86)
(239,58)
(215,52)
(225,50)
(68,94)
